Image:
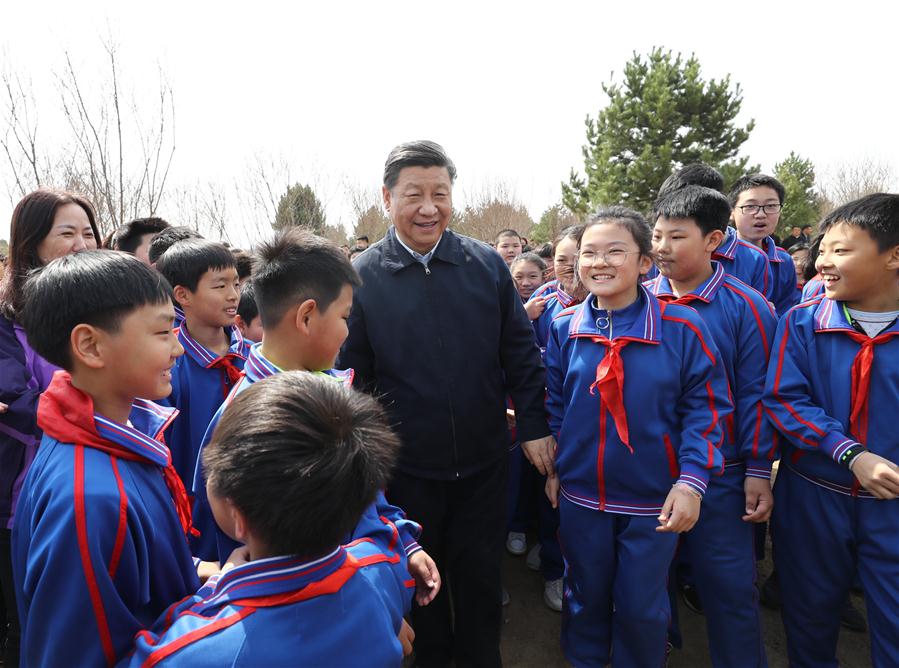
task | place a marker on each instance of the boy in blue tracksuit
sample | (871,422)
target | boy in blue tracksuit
(756,202)
(744,261)
(690,224)
(831,391)
(99,545)
(636,396)
(203,276)
(304,292)
(282,453)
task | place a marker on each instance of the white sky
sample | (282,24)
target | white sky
(505,87)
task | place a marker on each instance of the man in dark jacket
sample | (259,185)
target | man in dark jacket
(438,332)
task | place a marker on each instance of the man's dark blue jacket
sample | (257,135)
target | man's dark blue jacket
(441,347)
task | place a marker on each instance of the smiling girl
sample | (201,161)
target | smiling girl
(635,395)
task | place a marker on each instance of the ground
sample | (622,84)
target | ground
(531,630)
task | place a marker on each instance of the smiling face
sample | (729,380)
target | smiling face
(602,246)
(420,205)
(755,227)
(71,233)
(528,277)
(682,251)
(214,302)
(855,271)
(564,263)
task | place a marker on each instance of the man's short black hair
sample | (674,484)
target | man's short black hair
(416,154)
(750,181)
(185,262)
(295,266)
(708,208)
(876,214)
(127,237)
(696,174)
(301,456)
(244,263)
(247,308)
(96,288)
(164,240)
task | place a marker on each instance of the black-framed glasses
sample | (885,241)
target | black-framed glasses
(613,258)
(752,209)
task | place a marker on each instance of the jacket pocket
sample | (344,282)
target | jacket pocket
(673,468)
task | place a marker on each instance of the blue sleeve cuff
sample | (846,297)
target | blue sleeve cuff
(758,468)
(694,476)
(836,444)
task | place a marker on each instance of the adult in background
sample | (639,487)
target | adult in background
(439,333)
(46,224)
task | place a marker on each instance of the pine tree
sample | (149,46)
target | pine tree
(802,204)
(300,207)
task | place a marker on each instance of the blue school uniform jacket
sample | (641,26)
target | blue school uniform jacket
(742,323)
(638,413)
(781,277)
(830,386)
(257,368)
(558,301)
(344,609)
(745,261)
(812,289)
(99,547)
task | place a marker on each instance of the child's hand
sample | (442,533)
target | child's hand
(541,453)
(680,511)
(206,569)
(407,637)
(535,307)
(3,407)
(877,475)
(759,499)
(427,580)
(552,489)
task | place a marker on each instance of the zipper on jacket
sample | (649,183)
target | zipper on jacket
(450,402)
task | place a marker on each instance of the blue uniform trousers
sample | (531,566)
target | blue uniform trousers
(616,601)
(823,538)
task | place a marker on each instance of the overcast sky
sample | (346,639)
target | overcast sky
(505,87)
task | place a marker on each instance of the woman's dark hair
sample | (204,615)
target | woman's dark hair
(629,219)
(31,222)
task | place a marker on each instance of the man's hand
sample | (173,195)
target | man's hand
(680,511)
(541,453)
(552,489)
(407,637)
(759,499)
(3,407)
(427,580)
(878,475)
(535,307)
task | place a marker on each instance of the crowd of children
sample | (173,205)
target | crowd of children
(186,479)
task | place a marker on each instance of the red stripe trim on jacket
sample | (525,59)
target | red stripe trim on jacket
(86,564)
(183,641)
(758,318)
(698,334)
(123,520)
(777,377)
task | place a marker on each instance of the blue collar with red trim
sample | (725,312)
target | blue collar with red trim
(640,321)
(148,421)
(661,286)
(771,249)
(830,316)
(728,247)
(258,367)
(203,355)
(270,577)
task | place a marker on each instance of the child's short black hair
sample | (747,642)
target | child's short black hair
(127,237)
(97,288)
(247,308)
(506,233)
(362,237)
(295,266)
(301,456)
(745,183)
(244,263)
(165,239)
(545,251)
(876,214)
(708,208)
(186,261)
(531,257)
(696,174)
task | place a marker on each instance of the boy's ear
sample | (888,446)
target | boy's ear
(305,311)
(241,528)
(241,325)
(893,259)
(645,264)
(713,239)
(87,343)
(182,295)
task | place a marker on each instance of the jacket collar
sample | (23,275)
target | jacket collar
(203,355)
(728,247)
(661,286)
(449,249)
(771,249)
(830,317)
(270,577)
(258,367)
(646,327)
(67,414)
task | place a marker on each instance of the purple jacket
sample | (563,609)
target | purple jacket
(23,376)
